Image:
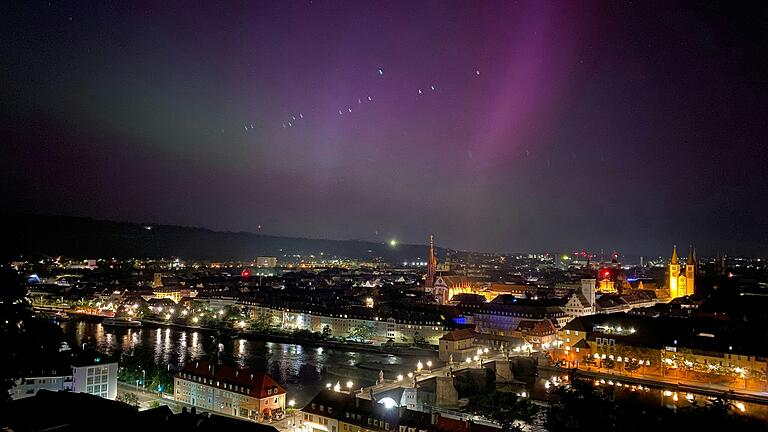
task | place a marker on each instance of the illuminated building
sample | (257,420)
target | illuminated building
(83,372)
(582,302)
(174,294)
(224,389)
(607,281)
(681,285)
(457,345)
(702,349)
(266,262)
(340,411)
(512,317)
(402,326)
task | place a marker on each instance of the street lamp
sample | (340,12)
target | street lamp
(349,386)
(429,364)
(419,366)
(291,403)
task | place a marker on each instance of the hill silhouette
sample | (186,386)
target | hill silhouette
(82,238)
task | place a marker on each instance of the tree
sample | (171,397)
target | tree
(25,339)
(128,398)
(263,322)
(362,332)
(507,409)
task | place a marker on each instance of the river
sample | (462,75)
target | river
(175,347)
(304,371)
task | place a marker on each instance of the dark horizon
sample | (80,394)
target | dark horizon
(533,126)
(17,226)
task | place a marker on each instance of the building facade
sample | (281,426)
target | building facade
(682,283)
(224,389)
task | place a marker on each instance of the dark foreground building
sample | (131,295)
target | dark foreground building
(66,411)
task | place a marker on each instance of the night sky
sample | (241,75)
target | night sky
(496,126)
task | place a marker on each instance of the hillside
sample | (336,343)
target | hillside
(76,237)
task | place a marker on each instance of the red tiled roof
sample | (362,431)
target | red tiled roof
(255,383)
(457,335)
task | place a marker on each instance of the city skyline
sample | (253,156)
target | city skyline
(496,127)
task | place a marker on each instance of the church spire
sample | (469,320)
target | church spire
(674,259)
(432,264)
(691,256)
(431,249)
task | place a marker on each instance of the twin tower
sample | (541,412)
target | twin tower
(681,285)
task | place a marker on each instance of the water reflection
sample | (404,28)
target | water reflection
(303,370)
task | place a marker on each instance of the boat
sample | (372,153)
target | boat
(121,322)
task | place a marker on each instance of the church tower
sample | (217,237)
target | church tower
(431,265)
(674,273)
(690,271)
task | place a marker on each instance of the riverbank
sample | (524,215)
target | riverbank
(305,341)
(713,390)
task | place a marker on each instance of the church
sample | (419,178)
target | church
(442,288)
(681,284)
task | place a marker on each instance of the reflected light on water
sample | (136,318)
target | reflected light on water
(302,371)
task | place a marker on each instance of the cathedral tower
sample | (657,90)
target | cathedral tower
(690,271)
(674,273)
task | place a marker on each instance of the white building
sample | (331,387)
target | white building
(96,377)
(53,381)
(86,374)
